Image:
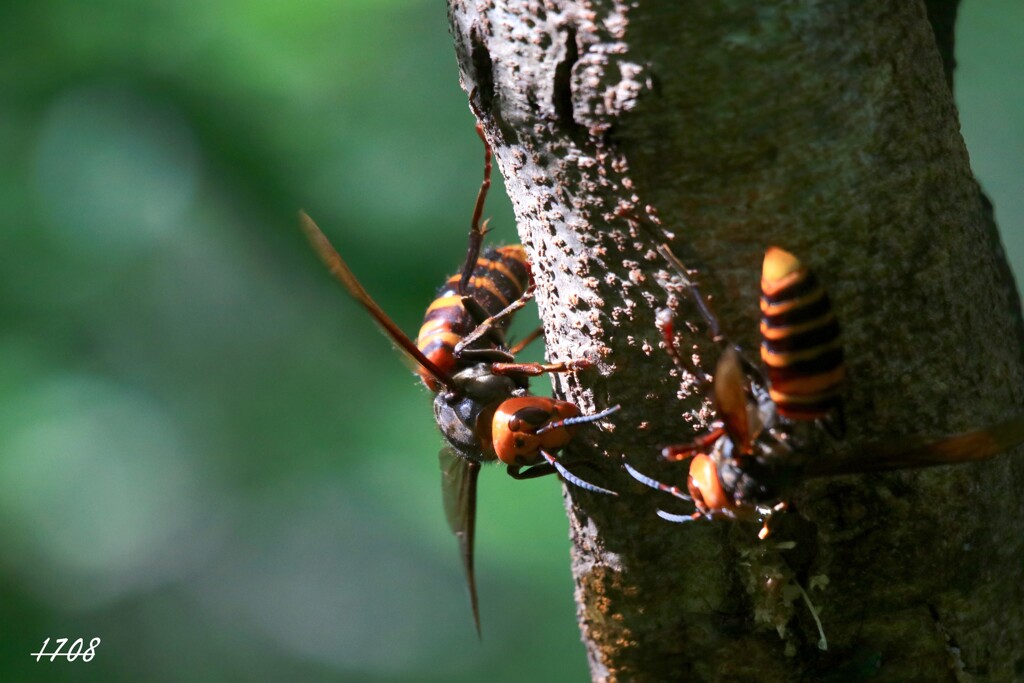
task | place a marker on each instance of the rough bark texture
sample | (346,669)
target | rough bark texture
(723,127)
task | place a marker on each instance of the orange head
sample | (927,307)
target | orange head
(706,488)
(516,423)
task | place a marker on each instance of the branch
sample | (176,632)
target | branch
(722,128)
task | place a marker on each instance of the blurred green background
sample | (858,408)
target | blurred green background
(209,457)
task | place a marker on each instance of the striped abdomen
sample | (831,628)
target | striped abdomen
(500,277)
(800,341)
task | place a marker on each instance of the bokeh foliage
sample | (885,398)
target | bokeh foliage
(209,457)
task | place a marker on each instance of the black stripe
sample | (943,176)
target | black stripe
(434,345)
(818,365)
(802,314)
(803,341)
(813,409)
(453,315)
(456,320)
(805,285)
(510,290)
(518,268)
(508,287)
(487,301)
(490,303)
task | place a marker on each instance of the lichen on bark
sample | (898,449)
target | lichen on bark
(721,128)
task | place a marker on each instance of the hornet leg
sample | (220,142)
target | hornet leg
(486,324)
(476,232)
(536,369)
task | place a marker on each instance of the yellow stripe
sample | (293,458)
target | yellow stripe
(772,287)
(488,264)
(516,252)
(801,400)
(774,333)
(450,337)
(810,385)
(500,267)
(444,302)
(431,326)
(482,282)
(788,305)
(513,252)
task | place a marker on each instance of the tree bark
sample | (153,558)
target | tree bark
(721,128)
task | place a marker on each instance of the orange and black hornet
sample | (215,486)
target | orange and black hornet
(759,448)
(482,402)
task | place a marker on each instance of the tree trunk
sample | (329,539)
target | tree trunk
(721,128)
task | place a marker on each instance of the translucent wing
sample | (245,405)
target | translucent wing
(341,272)
(458,488)
(971,446)
(731,399)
